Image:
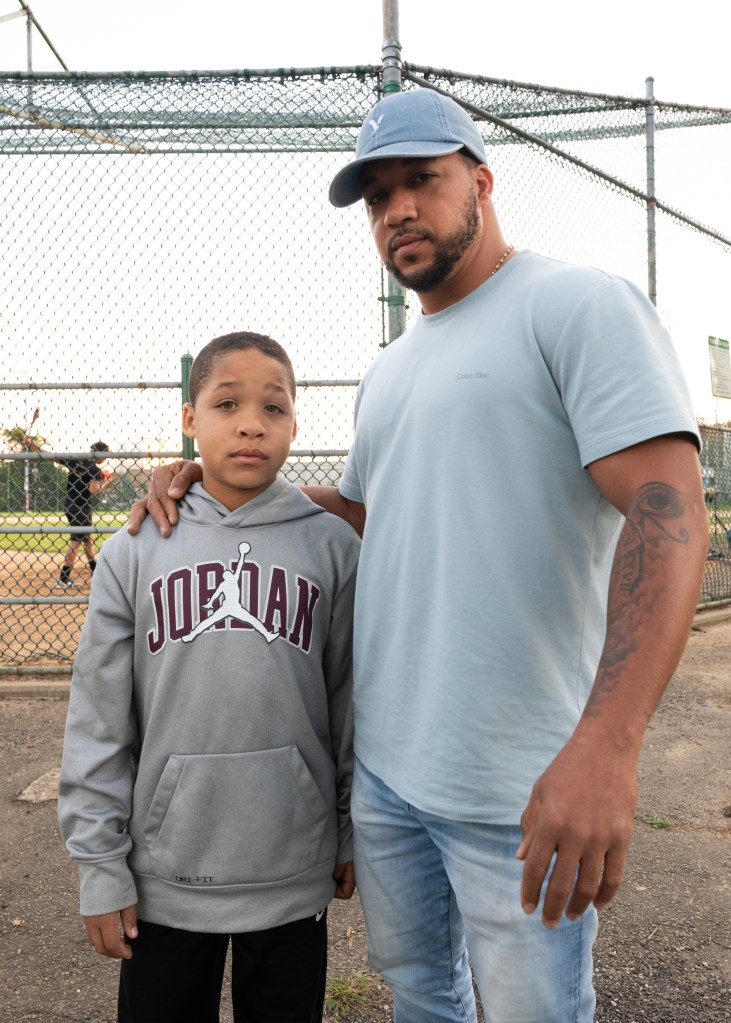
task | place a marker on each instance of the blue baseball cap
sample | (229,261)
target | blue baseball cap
(407,124)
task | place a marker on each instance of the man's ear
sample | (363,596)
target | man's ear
(484,182)
(189,420)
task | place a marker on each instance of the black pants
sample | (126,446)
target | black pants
(174,976)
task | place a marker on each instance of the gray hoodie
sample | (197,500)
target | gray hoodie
(208,750)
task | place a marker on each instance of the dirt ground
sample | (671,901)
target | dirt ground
(40,634)
(664,950)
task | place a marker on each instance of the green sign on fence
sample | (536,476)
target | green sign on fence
(718,353)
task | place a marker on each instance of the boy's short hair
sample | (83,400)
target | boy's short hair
(239,341)
(99,445)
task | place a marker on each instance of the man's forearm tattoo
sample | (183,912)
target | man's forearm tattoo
(651,516)
(652,520)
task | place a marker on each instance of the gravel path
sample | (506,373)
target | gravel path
(664,950)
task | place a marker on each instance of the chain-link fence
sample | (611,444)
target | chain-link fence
(716,469)
(146,213)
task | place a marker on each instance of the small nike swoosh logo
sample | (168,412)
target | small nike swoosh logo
(319,916)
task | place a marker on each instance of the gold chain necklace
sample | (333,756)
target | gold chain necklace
(502,260)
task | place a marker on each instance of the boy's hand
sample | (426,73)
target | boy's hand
(104,934)
(344,875)
(169,483)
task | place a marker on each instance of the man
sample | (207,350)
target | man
(85,477)
(504,675)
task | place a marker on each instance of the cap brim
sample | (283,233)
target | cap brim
(345,187)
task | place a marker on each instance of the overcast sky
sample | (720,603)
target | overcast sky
(574,44)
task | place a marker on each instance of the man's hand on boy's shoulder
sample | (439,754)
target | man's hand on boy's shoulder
(105,936)
(168,484)
(344,875)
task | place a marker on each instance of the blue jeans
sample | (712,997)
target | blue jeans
(437,894)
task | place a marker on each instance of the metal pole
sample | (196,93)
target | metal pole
(391,82)
(26,486)
(29,54)
(651,200)
(47,41)
(29,42)
(186,361)
(391,50)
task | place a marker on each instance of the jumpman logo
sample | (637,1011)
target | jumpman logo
(229,594)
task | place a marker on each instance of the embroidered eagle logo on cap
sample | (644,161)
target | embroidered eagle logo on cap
(375,125)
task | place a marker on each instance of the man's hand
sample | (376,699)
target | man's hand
(582,809)
(169,483)
(344,875)
(105,936)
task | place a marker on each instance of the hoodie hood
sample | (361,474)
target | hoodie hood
(281,502)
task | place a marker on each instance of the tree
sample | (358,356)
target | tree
(19,480)
(14,435)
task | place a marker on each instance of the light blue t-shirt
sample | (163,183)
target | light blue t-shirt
(482,585)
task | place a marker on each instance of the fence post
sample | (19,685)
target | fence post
(186,361)
(391,81)
(391,49)
(651,198)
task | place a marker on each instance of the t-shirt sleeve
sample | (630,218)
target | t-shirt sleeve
(618,373)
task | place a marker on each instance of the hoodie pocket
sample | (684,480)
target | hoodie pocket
(237,819)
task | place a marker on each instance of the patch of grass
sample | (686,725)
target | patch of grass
(343,995)
(656,822)
(52,542)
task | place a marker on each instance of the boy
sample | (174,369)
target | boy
(205,781)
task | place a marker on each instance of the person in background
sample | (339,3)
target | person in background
(526,479)
(85,477)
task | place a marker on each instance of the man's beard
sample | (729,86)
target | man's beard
(448,253)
